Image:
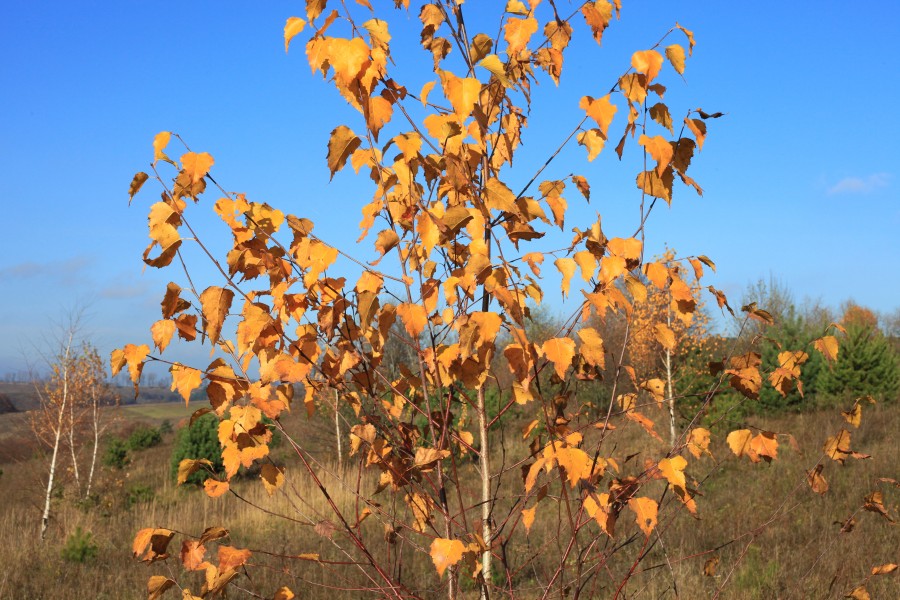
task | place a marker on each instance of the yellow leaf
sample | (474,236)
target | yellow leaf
(656,185)
(698,128)
(765,445)
(517,33)
(645,510)
(272,477)
(592,347)
(739,442)
(698,442)
(293,26)
(665,336)
(675,54)
(816,481)
(837,447)
(828,346)
(497,68)
(446,553)
(414,318)
(162,332)
(593,140)
(567,267)
(660,149)
(157,585)
(859,593)
(387,239)
(656,387)
(673,470)
(528,517)
(627,248)
(498,196)
(587,263)
(560,351)
(854,415)
(131,355)
(648,62)
(884,569)
(232,558)
(215,302)
(196,166)
(342,143)
(597,15)
(426,89)
(159,144)
(601,110)
(461,92)
(185,380)
(189,466)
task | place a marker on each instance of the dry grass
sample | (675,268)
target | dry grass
(801,554)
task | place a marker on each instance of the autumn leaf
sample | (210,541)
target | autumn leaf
(414,317)
(136,183)
(661,151)
(528,517)
(673,470)
(189,466)
(446,553)
(828,346)
(341,145)
(196,165)
(675,54)
(645,510)
(272,477)
(162,332)
(185,380)
(192,553)
(293,26)
(157,585)
(698,442)
(600,110)
(567,267)
(159,144)
(560,351)
(665,336)
(215,302)
(739,442)
(214,488)
(884,569)
(232,558)
(837,447)
(815,480)
(648,62)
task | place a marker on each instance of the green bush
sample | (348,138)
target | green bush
(80,547)
(138,493)
(200,440)
(116,454)
(865,364)
(144,437)
(166,427)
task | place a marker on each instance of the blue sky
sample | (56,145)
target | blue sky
(800,177)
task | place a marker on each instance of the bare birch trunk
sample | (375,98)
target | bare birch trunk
(45,518)
(672,431)
(95,418)
(486,502)
(337,434)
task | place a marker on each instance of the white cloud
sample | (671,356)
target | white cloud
(860,185)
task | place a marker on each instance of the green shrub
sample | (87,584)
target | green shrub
(116,454)
(200,440)
(138,493)
(144,437)
(165,427)
(80,547)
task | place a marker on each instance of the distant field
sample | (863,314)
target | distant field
(172,411)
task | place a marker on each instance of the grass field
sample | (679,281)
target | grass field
(800,554)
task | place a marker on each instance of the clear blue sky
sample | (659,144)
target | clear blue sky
(801,178)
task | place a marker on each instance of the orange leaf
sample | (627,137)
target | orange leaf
(665,336)
(567,267)
(816,481)
(765,445)
(196,165)
(414,318)
(185,380)
(215,302)
(828,346)
(214,488)
(560,351)
(592,347)
(739,442)
(446,553)
(528,517)
(272,477)
(293,26)
(698,442)
(162,332)
(884,569)
(673,470)
(232,558)
(660,149)
(157,585)
(648,62)
(601,110)
(517,33)
(192,553)
(159,144)
(645,510)
(675,54)
(341,145)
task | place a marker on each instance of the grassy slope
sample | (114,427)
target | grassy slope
(801,555)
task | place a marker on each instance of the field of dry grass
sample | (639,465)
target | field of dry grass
(800,554)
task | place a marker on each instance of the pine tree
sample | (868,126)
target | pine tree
(866,364)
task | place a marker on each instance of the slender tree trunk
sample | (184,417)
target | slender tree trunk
(45,518)
(486,503)
(672,431)
(95,417)
(337,433)
(70,435)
